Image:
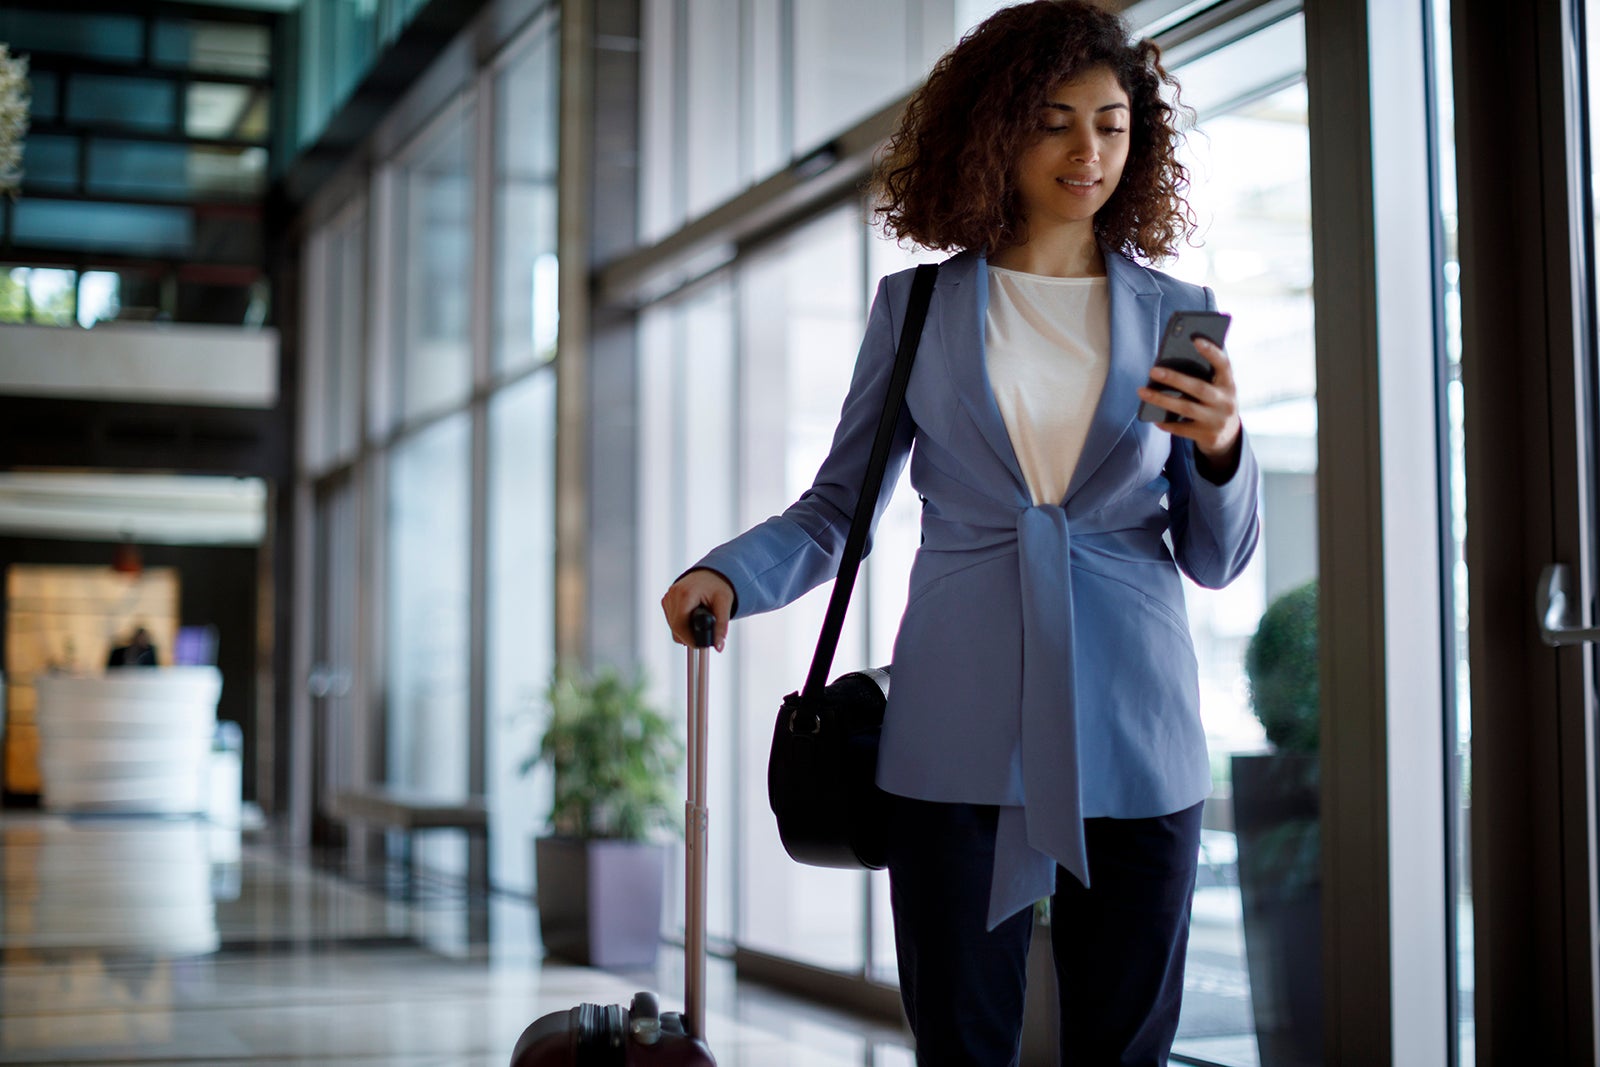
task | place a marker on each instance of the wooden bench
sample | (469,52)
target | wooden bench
(411,812)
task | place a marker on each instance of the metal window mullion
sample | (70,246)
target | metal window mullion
(1354,811)
(575,172)
(481,301)
(786,75)
(680,112)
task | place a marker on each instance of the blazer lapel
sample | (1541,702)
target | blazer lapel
(1135,306)
(963,307)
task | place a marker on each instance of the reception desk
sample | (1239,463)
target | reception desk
(133,739)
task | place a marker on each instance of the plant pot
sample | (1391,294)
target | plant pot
(1276,807)
(600,900)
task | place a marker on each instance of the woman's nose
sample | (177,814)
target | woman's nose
(1084,150)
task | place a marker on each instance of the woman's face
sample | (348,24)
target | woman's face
(1075,161)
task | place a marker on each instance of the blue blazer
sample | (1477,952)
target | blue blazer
(1044,662)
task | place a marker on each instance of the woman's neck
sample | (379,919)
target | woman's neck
(1058,253)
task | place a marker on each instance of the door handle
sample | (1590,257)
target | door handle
(1559,623)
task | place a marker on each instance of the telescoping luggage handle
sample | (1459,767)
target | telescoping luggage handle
(702,627)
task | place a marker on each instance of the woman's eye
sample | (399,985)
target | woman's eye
(1054,129)
(1112,131)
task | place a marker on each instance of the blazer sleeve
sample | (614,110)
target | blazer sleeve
(1215,527)
(783,558)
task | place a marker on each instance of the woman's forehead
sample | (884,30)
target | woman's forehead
(1094,87)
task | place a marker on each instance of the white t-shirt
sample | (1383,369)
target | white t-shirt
(1048,347)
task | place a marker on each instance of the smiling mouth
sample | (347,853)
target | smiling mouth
(1079,184)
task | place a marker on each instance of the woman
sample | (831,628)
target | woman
(1042,736)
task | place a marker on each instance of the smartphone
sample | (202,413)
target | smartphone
(1178,353)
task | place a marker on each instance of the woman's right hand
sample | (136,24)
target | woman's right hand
(698,587)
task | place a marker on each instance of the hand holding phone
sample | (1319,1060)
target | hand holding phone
(1178,353)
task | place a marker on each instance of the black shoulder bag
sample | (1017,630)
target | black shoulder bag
(821,774)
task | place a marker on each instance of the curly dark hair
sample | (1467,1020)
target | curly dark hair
(946,178)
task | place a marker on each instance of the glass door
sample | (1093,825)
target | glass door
(1525,86)
(1253,981)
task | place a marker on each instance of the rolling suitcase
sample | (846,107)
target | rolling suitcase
(594,1035)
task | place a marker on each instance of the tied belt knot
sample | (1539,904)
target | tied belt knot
(1046,828)
(1043,826)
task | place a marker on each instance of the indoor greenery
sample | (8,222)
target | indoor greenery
(1281,663)
(613,755)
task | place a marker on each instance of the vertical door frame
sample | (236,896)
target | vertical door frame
(1384,856)
(1526,298)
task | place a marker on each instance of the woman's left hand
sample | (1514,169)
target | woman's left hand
(1212,416)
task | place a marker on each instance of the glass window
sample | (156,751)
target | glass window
(427,654)
(215,47)
(132,228)
(99,297)
(521,616)
(50,162)
(850,59)
(42,89)
(227,172)
(38,294)
(114,37)
(765,127)
(13,294)
(346,335)
(52,296)
(688,478)
(433,269)
(659,209)
(175,171)
(216,110)
(804,313)
(121,294)
(1250,172)
(351,36)
(733,90)
(526,271)
(712,76)
(143,103)
(138,168)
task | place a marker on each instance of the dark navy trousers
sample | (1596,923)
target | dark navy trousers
(1119,946)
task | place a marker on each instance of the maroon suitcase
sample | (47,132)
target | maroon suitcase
(594,1035)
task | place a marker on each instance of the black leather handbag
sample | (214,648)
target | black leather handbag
(821,773)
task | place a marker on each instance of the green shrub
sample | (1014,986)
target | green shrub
(613,756)
(1281,663)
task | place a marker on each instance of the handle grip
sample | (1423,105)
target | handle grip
(703,626)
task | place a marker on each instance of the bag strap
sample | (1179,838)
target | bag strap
(861,520)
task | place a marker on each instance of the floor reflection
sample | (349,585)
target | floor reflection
(146,941)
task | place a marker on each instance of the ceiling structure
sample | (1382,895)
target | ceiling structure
(144,508)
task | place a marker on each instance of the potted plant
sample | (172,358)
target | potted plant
(1276,822)
(600,872)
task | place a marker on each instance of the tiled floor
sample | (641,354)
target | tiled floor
(163,942)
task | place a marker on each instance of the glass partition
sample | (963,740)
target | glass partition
(525,271)
(733,91)
(432,268)
(689,461)
(1254,972)
(521,618)
(804,314)
(429,554)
